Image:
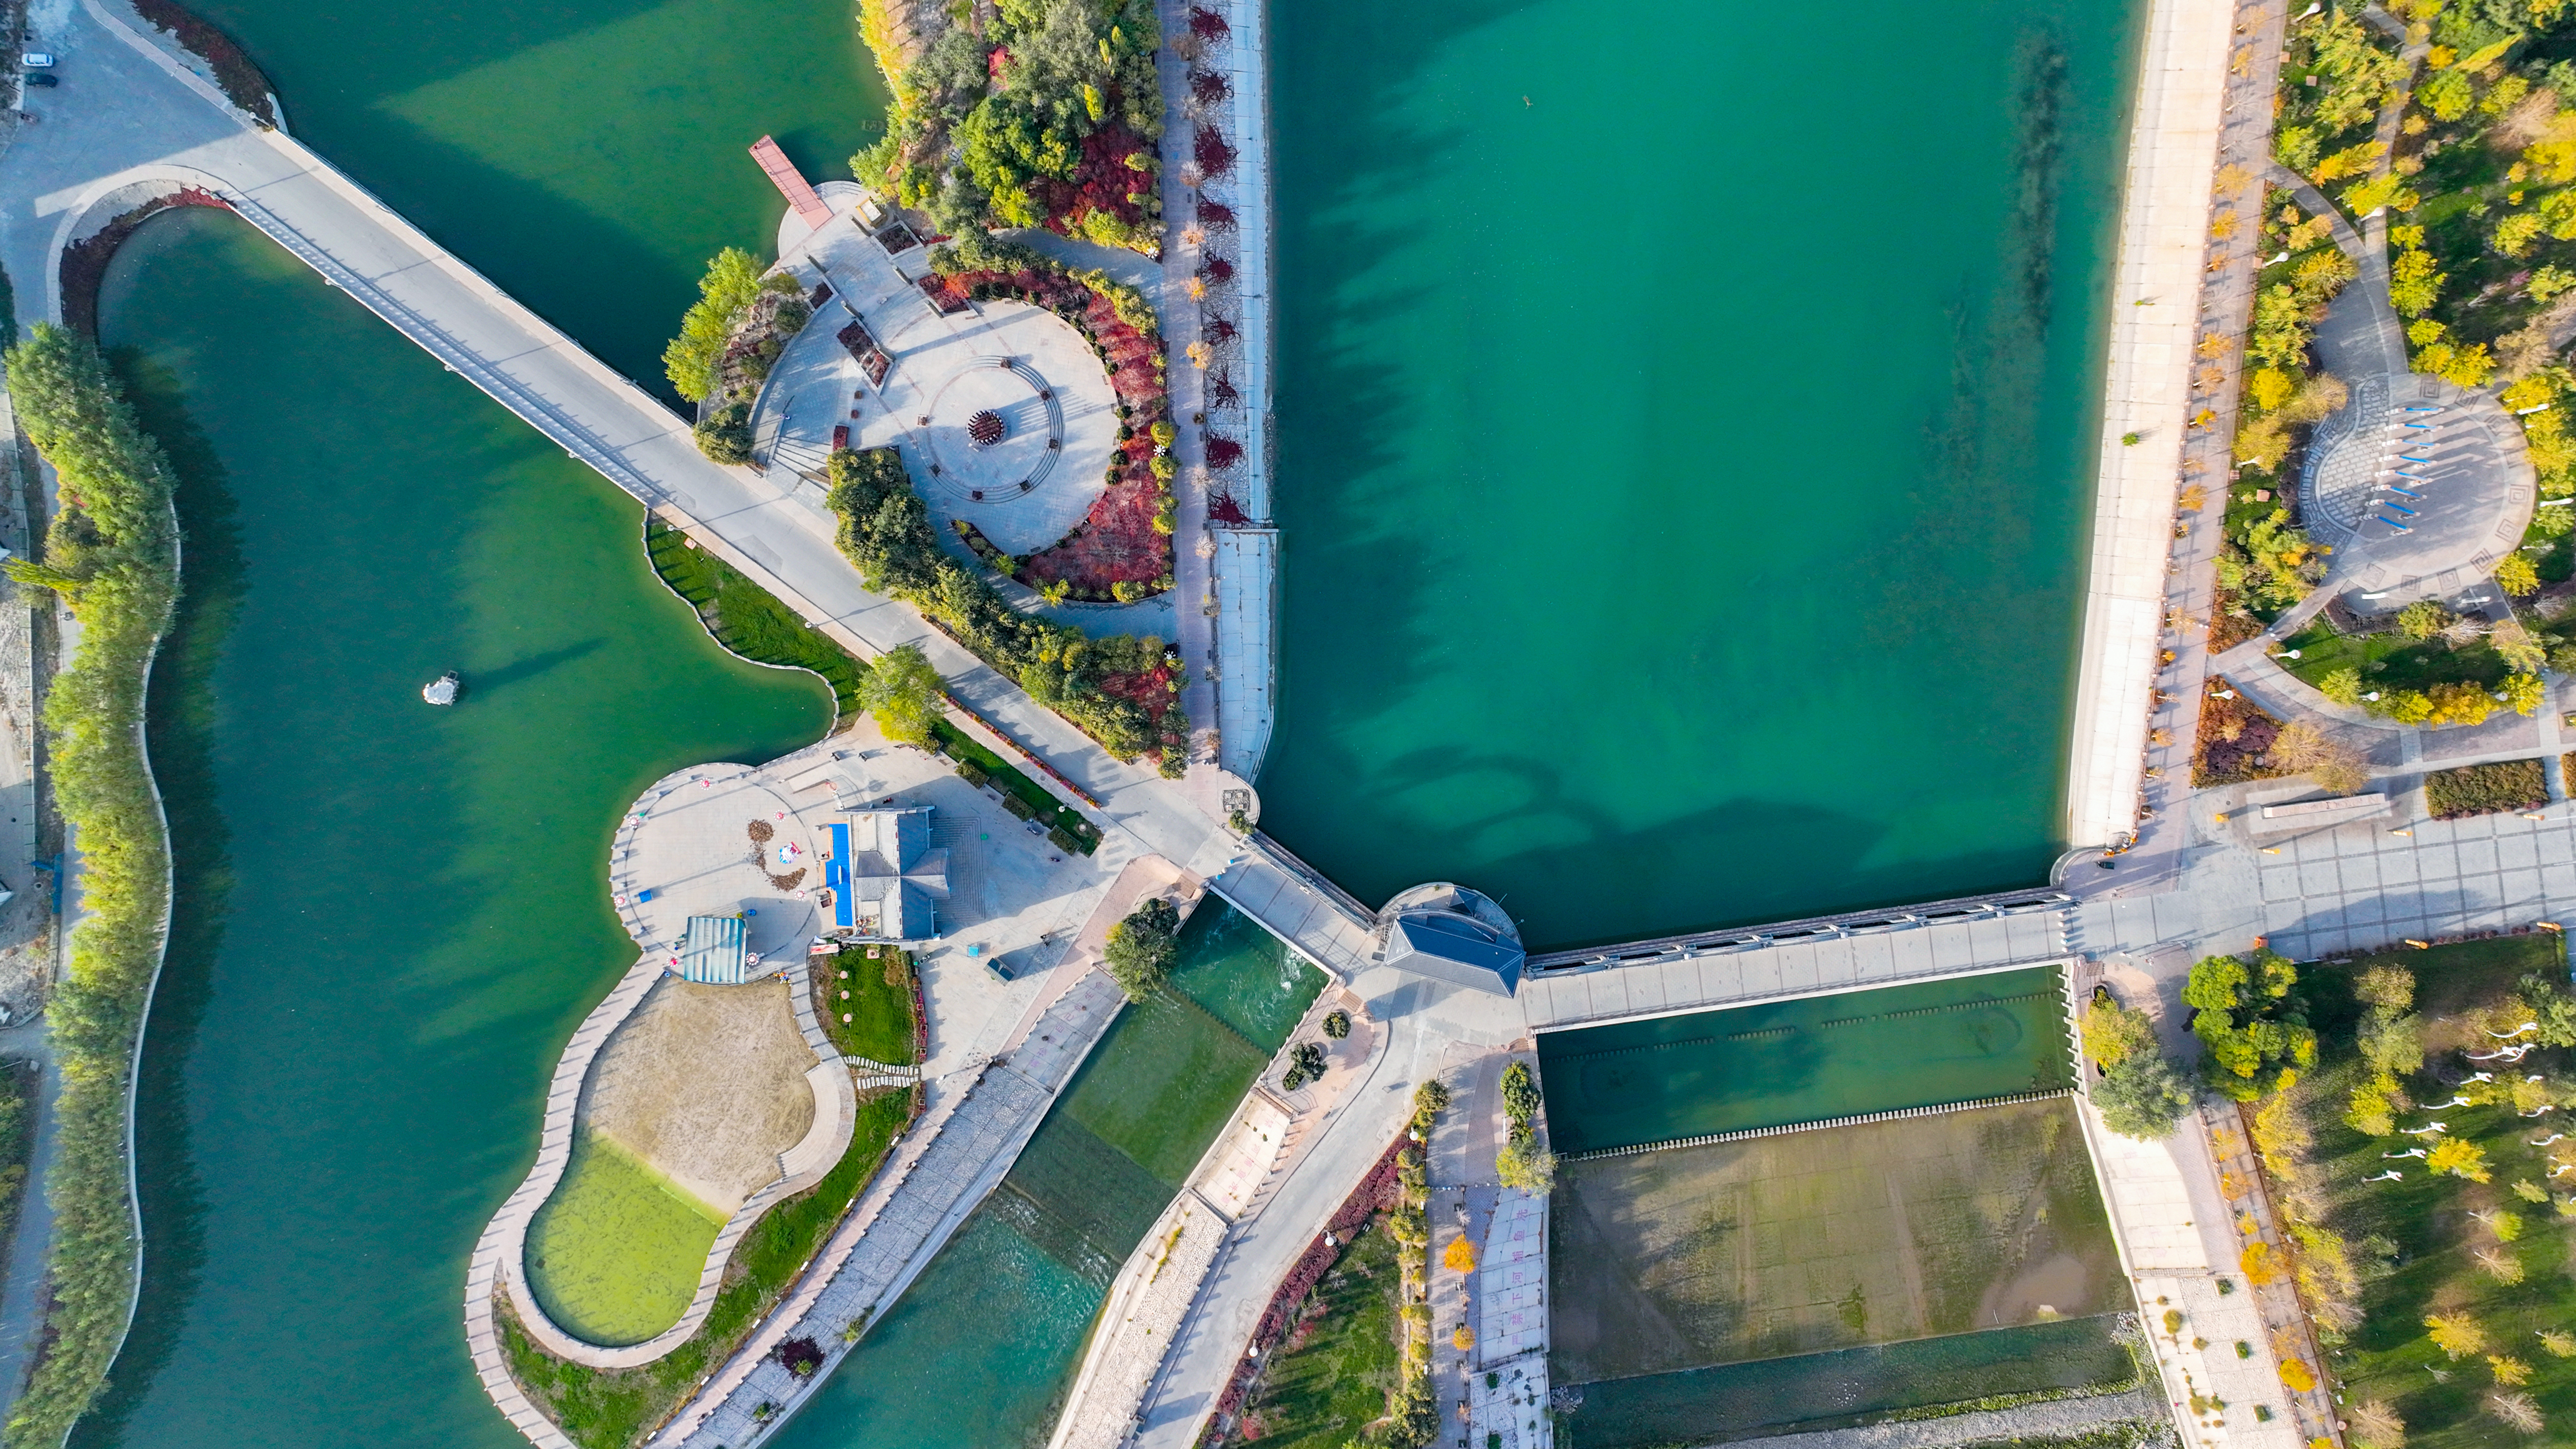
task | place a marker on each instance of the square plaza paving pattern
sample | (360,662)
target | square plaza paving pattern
(2358,887)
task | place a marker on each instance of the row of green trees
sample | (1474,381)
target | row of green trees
(112,554)
(1096,683)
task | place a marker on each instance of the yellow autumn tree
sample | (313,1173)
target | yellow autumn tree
(2456,1334)
(2459,1157)
(1460,1256)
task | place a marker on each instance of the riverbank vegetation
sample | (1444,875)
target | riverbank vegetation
(1122,690)
(869,1001)
(729,339)
(2429,1214)
(747,619)
(1122,550)
(1040,113)
(620,1408)
(751,622)
(111,553)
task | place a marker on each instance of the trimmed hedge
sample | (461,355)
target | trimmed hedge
(112,554)
(2485,789)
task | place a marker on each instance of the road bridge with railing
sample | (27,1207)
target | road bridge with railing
(142,125)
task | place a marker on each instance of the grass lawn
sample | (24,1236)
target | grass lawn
(2415,1240)
(1330,1379)
(746,619)
(613,1409)
(876,998)
(2389,661)
(615,1252)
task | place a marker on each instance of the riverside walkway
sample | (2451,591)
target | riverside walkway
(142,125)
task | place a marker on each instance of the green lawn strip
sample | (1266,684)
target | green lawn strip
(1021,795)
(2467,790)
(746,618)
(751,622)
(2413,1240)
(616,1408)
(1330,1378)
(2389,661)
(615,1252)
(879,1008)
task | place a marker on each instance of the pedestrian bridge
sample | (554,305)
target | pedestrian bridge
(144,126)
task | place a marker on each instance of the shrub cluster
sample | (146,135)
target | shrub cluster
(729,340)
(1523,1163)
(1139,952)
(1123,690)
(1044,114)
(112,554)
(2485,789)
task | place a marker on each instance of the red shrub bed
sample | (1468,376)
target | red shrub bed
(2235,734)
(1210,150)
(1102,182)
(1375,1194)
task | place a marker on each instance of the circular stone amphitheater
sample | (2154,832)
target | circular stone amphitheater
(883,366)
(2419,487)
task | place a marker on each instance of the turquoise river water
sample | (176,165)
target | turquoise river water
(1683,440)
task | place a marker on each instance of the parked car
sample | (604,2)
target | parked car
(40,78)
(37,60)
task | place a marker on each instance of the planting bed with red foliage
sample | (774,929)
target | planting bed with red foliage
(1116,542)
(2235,734)
(1102,182)
(236,73)
(85,261)
(1376,1193)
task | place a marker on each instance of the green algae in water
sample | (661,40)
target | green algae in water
(615,1253)
(1004,1309)
(1806,1060)
(389,917)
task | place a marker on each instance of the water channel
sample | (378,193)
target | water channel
(1751,618)
(1685,441)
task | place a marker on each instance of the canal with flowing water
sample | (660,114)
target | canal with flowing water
(1684,440)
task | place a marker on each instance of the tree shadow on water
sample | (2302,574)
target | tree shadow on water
(180,733)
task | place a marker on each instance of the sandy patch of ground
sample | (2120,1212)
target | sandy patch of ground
(706,1084)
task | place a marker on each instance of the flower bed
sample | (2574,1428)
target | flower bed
(1122,549)
(2235,736)
(2485,789)
(1376,1193)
